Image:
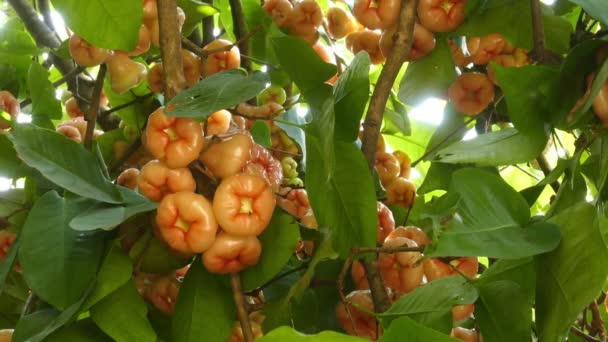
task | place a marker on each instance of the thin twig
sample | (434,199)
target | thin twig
(70,75)
(91,116)
(128,153)
(127,104)
(540,52)
(584,336)
(546,169)
(170,49)
(188,44)
(241,307)
(597,323)
(240,30)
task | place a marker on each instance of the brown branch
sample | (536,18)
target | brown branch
(45,10)
(403,39)
(582,334)
(41,33)
(240,30)
(188,44)
(91,115)
(546,169)
(241,307)
(137,99)
(597,323)
(170,49)
(540,52)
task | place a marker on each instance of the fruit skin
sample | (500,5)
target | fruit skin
(365,325)
(243,204)
(387,166)
(340,23)
(401,192)
(176,141)
(85,54)
(218,123)
(386,222)
(441,15)
(128,178)
(600,104)
(279,11)
(70,132)
(143,44)
(125,73)
(466,335)
(6,335)
(229,156)
(305,19)
(10,105)
(231,254)
(274,93)
(381,17)
(186,222)
(366,40)
(483,49)
(424,43)
(220,61)
(72,109)
(471,93)
(156,180)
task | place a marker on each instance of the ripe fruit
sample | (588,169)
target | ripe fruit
(467,335)
(72,109)
(424,43)
(128,178)
(377,14)
(186,222)
(460,60)
(386,222)
(243,204)
(155,78)
(70,132)
(296,203)
(156,180)
(401,192)
(354,321)
(176,141)
(230,253)
(229,156)
(401,271)
(143,44)
(124,72)
(10,105)
(163,292)
(218,123)
(263,164)
(387,167)
(279,11)
(220,61)
(411,232)
(441,15)
(471,93)
(192,69)
(368,41)
(6,335)
(85,54)
(600,104)
(483,49)
(405,163)
(305,19)
(340,23)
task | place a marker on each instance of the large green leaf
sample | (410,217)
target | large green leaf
(115,271)
(351,93)
(405,329)
(493,215)
(63,162)
(219,91)
(503,311)
(6,266)
(17,42)
(110,24)
(153,255)
(42,93)
(432,300)
(106,216)
(122,315)
(438,177)
(505,147)
(278,241)
(82,330)
(526,91)
(430,76)
(596,8)
(289,334)
(58,263)
(205,309)
(451,130)
(11,164)
(344,198)
(563,289)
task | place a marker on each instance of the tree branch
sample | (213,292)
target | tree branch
(91,116)
(597,323)
(188,44)
(546,169)
(241,307)
(403,39)
(39,31)
(240,30)
(170,49)
(582,335)
(540,52)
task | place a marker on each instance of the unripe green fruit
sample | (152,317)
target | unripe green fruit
(274,93)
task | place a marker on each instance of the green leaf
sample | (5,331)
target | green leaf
(289,334)
(396,118)
(64,162)
(6,265)
(505,147)
(503,311)
(557,33)
(107,217)
(562,289)
(260,131)
(493,215)
(225,18)
(42,93)
(37,326)
(596,8)
(430,76)
(438,177)
(17,42)
(302,63)
(343,199)
(351,92)
(195,11)
(405,329)
(219,91)
(115,271)
(58,263)
(526,91)
(109,24)
(154,256)
(136,105)
(519,271)
(82,330)
(500,16)
(451,130)
(205,308)
(278,242)
(122,315)
(434,298)
(11,164)
(9,78)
